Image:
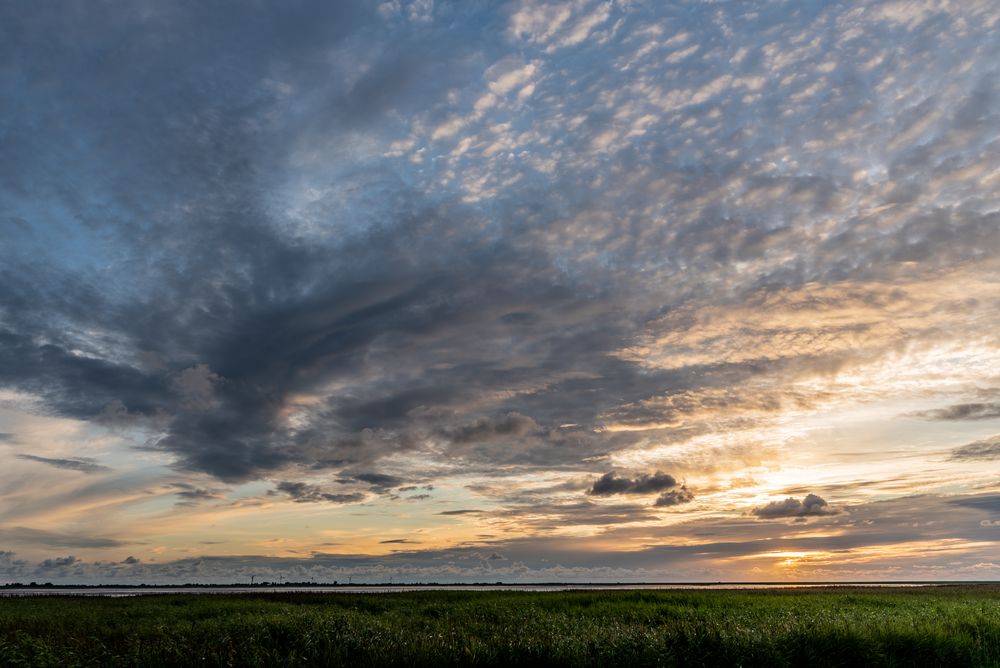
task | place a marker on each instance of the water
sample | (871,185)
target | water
(393,589)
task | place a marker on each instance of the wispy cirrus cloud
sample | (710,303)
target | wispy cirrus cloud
(82,465)
(971,411)
(980,450)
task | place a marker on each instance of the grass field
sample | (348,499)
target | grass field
(939,626)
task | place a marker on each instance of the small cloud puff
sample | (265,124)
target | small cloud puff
(609,484)
(675,497)
(811,506)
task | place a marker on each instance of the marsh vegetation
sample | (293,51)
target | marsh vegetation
(940,626)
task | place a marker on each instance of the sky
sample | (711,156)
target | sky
(521,291)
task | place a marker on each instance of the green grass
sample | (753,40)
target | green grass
(940,626)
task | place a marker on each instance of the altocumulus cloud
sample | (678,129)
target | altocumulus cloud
(471,306)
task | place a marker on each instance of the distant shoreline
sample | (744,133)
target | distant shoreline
(335,584)
(32,589)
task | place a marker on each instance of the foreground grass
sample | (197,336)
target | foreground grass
(941,626)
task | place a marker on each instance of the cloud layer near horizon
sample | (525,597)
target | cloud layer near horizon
(574,268)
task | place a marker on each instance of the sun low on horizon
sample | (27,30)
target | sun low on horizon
(526,291)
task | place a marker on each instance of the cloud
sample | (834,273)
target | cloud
(83,465)
(987,502)
(975,411)
(29,536)
(980,450)
(436,316)
(610,483)
(130,560)
(301,492)
(10,566)
(196,386)
(675,497)
(945,534)
(379,480)
(58,563)
(485,429)
(191,495)
(811,506)
(508,74)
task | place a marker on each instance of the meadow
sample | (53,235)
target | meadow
(928,626)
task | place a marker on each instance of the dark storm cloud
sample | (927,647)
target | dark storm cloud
(958,412)
(208,143)
(646,483)
(986,449)
(190,267)
(810,506)
(79,386)
(83,465)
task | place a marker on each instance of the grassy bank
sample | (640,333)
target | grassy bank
(941,626)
